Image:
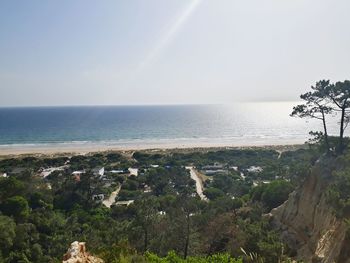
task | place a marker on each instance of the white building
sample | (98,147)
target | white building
(78,172)
(100,171)
(124,203)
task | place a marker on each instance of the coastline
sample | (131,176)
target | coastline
(171,145)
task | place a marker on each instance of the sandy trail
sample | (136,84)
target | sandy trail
(199,184)
(111,199)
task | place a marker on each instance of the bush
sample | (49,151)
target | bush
(272,194)
(172,257)
(338,193)
(213,193)
(16,206)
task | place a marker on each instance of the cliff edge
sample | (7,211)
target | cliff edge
(308,224)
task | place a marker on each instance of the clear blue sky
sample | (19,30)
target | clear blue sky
(169,52)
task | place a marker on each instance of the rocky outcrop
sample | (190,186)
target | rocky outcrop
(308,225)
(77,254)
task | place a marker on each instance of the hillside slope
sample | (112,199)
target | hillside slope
(307,222)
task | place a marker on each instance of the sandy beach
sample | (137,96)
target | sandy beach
(84,148)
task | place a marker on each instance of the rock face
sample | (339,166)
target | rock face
(77,254)
(308,225)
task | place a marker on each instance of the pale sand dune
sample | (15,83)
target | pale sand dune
(96,147)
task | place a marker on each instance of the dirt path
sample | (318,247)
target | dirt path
(111,199)
(199,183)
(279,154)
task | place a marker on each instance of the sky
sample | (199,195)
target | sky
(81,52)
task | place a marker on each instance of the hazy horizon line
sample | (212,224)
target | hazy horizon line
(145,104)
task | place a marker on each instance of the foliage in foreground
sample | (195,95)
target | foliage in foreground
(338,191)
(173,258)
(39,217)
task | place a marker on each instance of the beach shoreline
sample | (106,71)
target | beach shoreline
(85,148)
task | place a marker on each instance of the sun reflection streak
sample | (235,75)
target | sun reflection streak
(168,35)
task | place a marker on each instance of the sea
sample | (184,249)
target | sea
(240,124)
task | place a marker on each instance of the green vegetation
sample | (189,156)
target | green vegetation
(172,257)
(338,191)
(273,194)
(325,99)
(160,213)
(40,216)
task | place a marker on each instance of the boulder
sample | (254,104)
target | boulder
(77,254)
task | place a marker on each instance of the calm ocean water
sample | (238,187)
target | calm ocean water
(235,124)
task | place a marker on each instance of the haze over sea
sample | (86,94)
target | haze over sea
(239,124)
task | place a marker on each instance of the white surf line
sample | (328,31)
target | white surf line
(199,186)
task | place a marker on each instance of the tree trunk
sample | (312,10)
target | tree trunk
(341,135)
(187,241)
(325,131)
(146,240)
